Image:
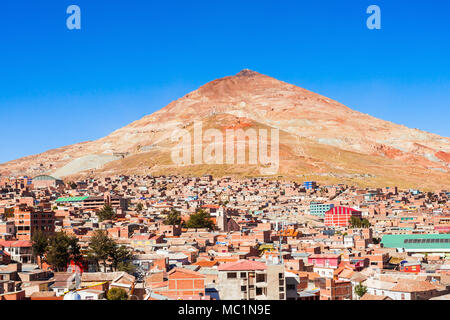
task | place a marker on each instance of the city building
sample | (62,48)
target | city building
(340,216)
(251,280)
(319,209)
(30,220)
(309,185)
(44,181)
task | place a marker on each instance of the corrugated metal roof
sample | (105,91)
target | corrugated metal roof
(398,241)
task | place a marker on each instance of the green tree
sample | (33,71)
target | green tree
(360,290)
(200,219)
(353,221)
(356,222)
(117,294)
(39,242)
(127,267)
(100,247)
(74,249)
(103,249)
(365,223)
(173,217)
(106,213)
(121,258)
(61,250)
(223,203)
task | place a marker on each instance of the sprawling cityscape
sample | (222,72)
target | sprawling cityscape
(205,238)
(210,159)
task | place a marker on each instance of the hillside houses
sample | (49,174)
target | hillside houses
(270,239)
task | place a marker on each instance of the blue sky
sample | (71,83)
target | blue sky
(131,58)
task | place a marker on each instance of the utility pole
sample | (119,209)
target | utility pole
(280,239)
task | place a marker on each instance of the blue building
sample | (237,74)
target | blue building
(309,185)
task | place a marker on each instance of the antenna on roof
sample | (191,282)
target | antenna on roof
(280,240)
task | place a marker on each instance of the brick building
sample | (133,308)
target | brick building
(97,203)
(184,282)
(336,290)
(325,260)
(28,220)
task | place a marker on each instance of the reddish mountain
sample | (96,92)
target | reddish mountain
(320,139)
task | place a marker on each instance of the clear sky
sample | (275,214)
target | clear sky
(131,58)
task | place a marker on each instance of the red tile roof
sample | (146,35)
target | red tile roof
(207,264)
(186,271)
(15,243)
(141,237)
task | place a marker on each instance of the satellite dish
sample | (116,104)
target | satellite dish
(72,296)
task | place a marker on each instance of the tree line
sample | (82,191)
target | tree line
(356,222)
(59,249)
(198,220)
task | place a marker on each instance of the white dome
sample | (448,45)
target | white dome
(72,296)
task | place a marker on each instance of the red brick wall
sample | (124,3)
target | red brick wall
(20,295)
(181,283)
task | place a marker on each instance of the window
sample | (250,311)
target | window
(426,241)
(231,275)
(243,288)
(291,287)
(243,275)
(260,278)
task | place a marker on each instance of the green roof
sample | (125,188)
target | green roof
(71,199)
(416,241)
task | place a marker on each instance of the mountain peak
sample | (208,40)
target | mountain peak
(247,73)
(317,136)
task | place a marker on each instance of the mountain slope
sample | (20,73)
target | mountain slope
(318,137)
